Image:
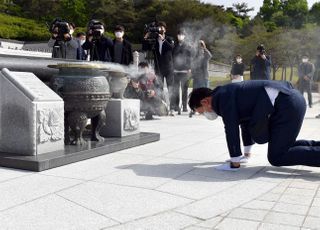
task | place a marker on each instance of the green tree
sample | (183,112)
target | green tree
(297,11)
(315,13)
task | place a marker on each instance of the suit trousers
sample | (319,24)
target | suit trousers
(183,79)
(169,80)
(305,85)
(284,126)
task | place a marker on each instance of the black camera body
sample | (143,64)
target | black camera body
(60,28)
(95,28)
(153,29)
(261,49)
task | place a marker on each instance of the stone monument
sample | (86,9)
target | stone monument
(31,115)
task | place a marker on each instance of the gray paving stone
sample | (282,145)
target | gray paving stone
(96,167)
(8,174)
(293,199)
(266,226)
(312,222)
(150,174)
(316,202)
(248,214)
(300,192)
(23,189)
(291,208)
(195,186)
(236,224)
(272,197)
(122,203)
(284,218)
(314,211)
(222,202)
(259,204)
(167,221)
(210,223)
(52,213)
(303,185)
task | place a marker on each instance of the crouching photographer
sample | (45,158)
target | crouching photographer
(62,43)
(147,88)
(97,44)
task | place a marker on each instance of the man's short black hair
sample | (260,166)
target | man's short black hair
(72,24)
(162,23)
(197,95)
(80,34)
(143,64)
(119,28)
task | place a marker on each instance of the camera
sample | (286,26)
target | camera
(153,29)
(95,29)
(59,27)
(261,49)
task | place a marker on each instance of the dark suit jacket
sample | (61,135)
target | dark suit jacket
(163,62)
(100,50)
(127,56)
(246,103)
(261,69)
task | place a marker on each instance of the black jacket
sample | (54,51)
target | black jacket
(261,69)
(237,69)
(246,103)
(127,56)
(163,62)
(100,50)
(181,56)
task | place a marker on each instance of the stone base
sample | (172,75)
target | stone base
(73,154)
(123,118)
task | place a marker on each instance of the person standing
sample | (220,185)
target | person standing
(182,71)
(99,47)
(81,53)
(200,72)
(261,65)
(237,69)
(163,61)
(306,71)
(122,49)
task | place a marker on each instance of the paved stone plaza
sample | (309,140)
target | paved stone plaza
(170,184)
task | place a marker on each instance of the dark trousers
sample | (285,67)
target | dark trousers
(284,127)
(169,79)
(183,80)
(305,85)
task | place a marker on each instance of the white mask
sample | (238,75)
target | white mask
(118,34)
(82,42)
(239,60)
(71,32)
(210,115)
(304,60)
(181,37)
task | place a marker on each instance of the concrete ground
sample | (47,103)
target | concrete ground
(170,184)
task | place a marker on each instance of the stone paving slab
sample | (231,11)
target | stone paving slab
(170,184)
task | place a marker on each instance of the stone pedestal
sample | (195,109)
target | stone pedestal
(31,115)
(123,117)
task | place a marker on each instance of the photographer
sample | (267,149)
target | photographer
(261,65)
(155,40)
(99,46)
(146,88)
(62,43)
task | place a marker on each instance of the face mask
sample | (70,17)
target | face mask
(71,31)
(118,34)
(181,37)
(304,60)
(210,115)
(239,60)
(82,42)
